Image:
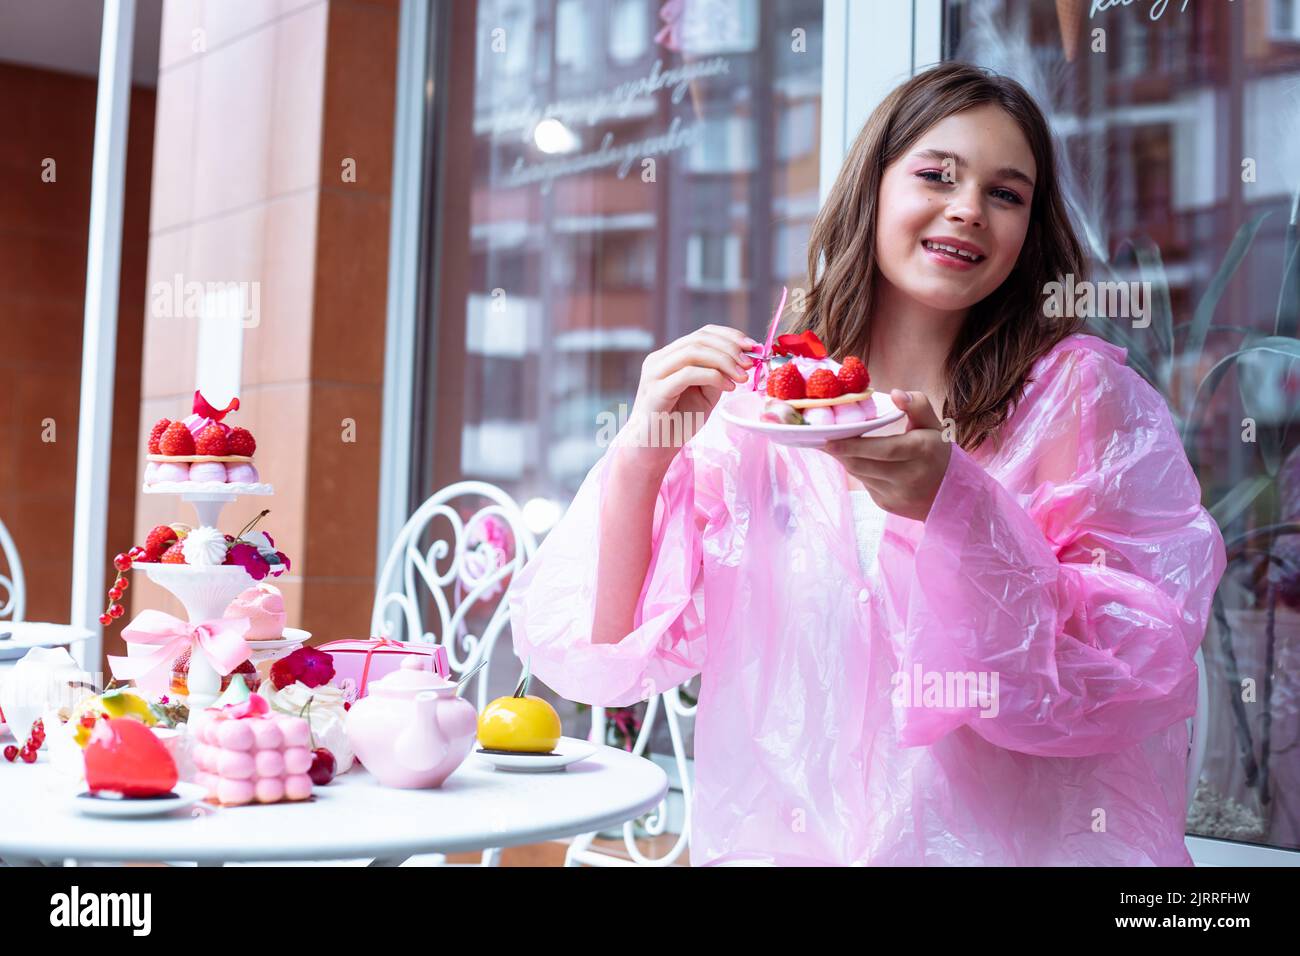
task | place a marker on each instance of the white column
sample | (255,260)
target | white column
(869,47)
(404,254)
(99,342)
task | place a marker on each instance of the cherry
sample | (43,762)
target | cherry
(114,594)
(105,620)
(116,610)
(121,583)
(122,562)
(28,755)
(322,766)
(11,753)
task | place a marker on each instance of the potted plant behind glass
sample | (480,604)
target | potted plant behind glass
(1252,646)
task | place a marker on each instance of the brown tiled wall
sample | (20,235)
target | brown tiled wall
(43,230)
(252,131)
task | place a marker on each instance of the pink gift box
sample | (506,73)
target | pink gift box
(358,662)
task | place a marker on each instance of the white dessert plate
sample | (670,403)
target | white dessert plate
(209,488)
(743,411)
(184,796)
(291,637)
(568,750)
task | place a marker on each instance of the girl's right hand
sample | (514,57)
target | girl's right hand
(689,375)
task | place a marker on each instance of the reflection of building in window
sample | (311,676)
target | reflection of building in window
(573,45)
(599,271)
(726,145)
(1283,25)
(713,262)
(796,130)
(629,30)
(710,27)
(505,54)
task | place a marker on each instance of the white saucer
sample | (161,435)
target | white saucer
(743,411)
(290,637)
(185,796)
(568,750)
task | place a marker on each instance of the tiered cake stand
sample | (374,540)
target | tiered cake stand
(206,592)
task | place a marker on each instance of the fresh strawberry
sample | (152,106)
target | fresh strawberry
(160,539)
(240,442)
(212,441)
(176,440)
(785,383)
(853,375)
(173,555)
(823,384)
(157,433)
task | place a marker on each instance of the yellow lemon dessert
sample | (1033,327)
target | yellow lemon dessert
(122,702)
(524,724)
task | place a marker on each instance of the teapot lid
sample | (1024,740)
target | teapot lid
(414,676)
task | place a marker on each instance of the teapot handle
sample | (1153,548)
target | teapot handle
(422,746)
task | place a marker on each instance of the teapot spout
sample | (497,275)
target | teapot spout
(421,746)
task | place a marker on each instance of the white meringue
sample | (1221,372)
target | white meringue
(205,547)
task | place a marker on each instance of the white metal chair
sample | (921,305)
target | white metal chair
(13,588)
(410,581)
(1197,728)
(580,852)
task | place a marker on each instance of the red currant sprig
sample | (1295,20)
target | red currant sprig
(123,564)
(28,751)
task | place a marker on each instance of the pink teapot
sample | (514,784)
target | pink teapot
(411,730)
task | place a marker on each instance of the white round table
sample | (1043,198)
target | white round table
(353,817)
(22,636)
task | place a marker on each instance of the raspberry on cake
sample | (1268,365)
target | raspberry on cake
(212,441)
(156,435)
(786,383)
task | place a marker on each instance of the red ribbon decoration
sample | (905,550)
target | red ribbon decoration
(804,344)
(204,410)
(365,668)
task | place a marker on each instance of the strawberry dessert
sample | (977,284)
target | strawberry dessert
(201,448)
(804,386)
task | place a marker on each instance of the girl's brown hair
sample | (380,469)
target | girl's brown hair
(1003,334)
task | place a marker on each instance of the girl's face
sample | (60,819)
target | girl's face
(966,183)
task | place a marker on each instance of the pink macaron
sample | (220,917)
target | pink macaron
(207,471)
(170,471)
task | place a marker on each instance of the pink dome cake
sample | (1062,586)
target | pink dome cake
(263,606)
(245,754)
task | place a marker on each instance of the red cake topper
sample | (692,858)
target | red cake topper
(202,408)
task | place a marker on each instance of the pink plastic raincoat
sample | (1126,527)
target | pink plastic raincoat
(1076,564)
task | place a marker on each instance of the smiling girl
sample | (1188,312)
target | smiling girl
(969,643)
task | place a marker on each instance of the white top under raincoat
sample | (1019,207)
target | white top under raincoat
(1076,564)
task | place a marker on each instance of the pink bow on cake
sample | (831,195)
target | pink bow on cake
(222,640)
(805,344)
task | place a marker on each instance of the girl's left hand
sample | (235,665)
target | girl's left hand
(902,473)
